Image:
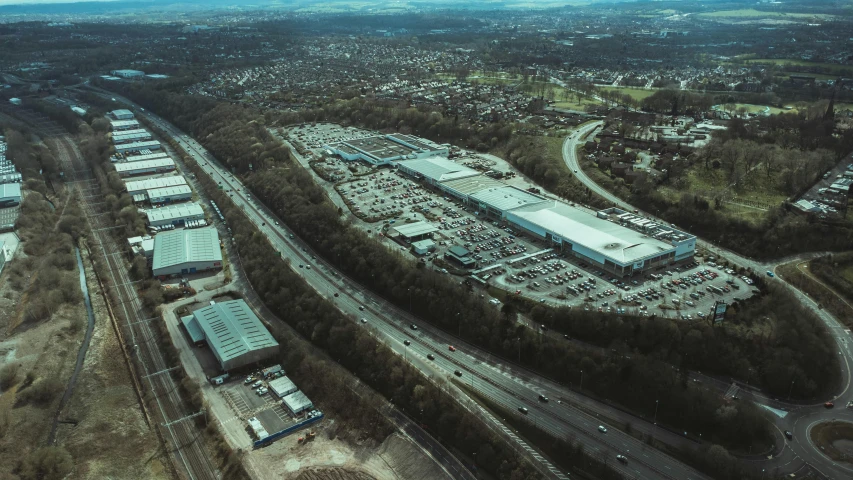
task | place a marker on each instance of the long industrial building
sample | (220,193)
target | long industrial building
(174,215)
(186,251)
(146,156)
(178,193)
(119,125)
(131,136)
(234,334)
(122,114)
(158,165)
(137,146)
(137,187)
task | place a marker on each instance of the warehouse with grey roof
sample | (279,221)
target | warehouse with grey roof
(186,251)
(233,332)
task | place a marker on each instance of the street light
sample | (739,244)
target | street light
(655,421)
(581,380)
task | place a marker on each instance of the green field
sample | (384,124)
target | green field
(636,93)
(753,13)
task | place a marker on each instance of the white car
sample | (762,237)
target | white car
(602,429)
(263,390)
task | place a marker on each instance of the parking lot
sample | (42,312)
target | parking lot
(505,257)
(252,398)
(8,216)
(686,290)
(828,200)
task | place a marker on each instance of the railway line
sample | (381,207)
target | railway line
(191,458)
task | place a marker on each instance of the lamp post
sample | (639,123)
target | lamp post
(459,324)
(581,380)
(519,349)
(410,299)
(791,389)
(655,420)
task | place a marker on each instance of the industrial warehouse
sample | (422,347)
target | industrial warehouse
(186,251)
(138,146)
(158,165)
(178,193)
(146,156)
(119,125)
(174,215)
(141,187)
(233,332)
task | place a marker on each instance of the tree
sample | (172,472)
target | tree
(46,463)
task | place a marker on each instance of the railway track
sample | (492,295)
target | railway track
(191,458)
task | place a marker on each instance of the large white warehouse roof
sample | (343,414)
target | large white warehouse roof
(138,186)
(184,246)
(438,169)
(618,243)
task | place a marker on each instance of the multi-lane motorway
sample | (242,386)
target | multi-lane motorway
(504,383)
(797,419)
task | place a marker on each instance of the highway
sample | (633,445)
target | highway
(798,419)
(505,383)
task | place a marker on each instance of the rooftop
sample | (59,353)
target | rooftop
(472,185)
(121,112)
(183,246)
(607,238)
(415,229)
(151,183)
(8,190)
(379,147)
(297,401)
(154,163)
(232,329)
(166,191)
(506,198)
(183,210)
(438,169)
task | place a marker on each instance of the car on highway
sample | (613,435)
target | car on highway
(431,356)
(413,326)
(301,266)
(850,404)
(361,307)
(363,320)
(622,458)
(336,294)
(406,343)
(576,170)
(602,429)
(457,373)
(276,223)
(543,398)
(828,404)
(789,435)
(522,410)
(451,348)
(769,273)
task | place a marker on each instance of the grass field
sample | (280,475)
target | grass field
(753,13)
(831,437)
(636,93)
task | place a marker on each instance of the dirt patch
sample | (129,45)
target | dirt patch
(835,440)
(395,458)
(332,474)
